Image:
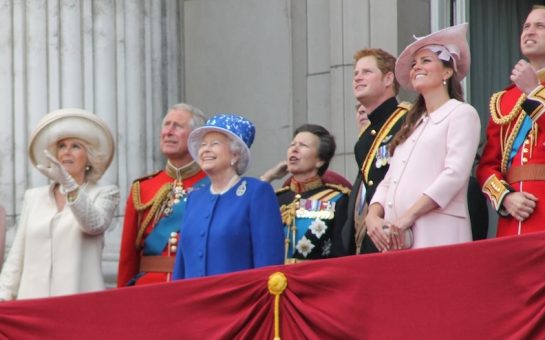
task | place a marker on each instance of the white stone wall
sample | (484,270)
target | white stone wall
(354,25)
(238,59)
(279,62)
(120,59)
(282,64)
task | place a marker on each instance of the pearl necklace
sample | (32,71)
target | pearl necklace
(230,184)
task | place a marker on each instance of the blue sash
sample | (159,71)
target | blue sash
(157,240)
(519,140)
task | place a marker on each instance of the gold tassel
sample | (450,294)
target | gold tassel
(288,212)
(277,284)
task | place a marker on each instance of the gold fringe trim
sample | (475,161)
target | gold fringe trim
(155,203)
(288,218)
(506,148)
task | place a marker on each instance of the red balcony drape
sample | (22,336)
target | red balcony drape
(493,289)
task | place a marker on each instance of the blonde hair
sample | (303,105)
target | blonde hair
(95,159)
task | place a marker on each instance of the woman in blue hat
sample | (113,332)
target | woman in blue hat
(233,223)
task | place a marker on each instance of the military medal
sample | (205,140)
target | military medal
(174,197)
(382,157)
(378,163)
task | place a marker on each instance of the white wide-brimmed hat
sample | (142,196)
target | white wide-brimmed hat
(238,128)
(450,43)
(73,123)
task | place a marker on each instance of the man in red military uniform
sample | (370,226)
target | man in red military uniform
(156,204)
(512,167)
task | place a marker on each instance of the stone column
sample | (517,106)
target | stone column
(119,59)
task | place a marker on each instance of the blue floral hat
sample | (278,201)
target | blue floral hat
(237,127)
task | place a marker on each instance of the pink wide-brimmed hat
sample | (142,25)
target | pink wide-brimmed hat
(449,43)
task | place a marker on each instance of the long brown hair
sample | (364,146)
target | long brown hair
(455,91)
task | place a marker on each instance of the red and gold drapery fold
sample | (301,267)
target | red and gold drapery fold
(492,289)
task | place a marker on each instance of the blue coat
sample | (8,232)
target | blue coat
(240,229)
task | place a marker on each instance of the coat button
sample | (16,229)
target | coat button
(373,132)
(371,183)
(173,249)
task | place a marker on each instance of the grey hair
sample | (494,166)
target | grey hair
(243,160)
(198,118)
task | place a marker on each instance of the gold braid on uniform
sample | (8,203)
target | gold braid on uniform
(494,106)
(338,187)
(156,202)
(509,144)
(398,114)
(288,212)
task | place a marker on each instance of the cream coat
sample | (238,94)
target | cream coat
(436,161)
(58,253)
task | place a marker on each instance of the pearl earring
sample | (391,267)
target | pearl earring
(87,168)
(444,82)
(233,162)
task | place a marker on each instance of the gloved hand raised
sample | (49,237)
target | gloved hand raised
(57,173)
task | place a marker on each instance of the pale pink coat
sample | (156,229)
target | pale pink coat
(436,161)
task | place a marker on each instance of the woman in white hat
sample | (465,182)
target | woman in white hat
(425,189)
(234,222)
(58,246)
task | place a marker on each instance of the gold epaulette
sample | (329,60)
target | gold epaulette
(339,187)
(135,191)
(283,189)
(405,105)
(538,94)
(500,118)
(143,178)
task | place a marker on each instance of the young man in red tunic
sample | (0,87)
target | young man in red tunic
(156,204)
(512,167)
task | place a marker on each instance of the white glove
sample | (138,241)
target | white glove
(57,173)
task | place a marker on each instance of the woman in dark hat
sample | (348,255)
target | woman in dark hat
(58,246)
